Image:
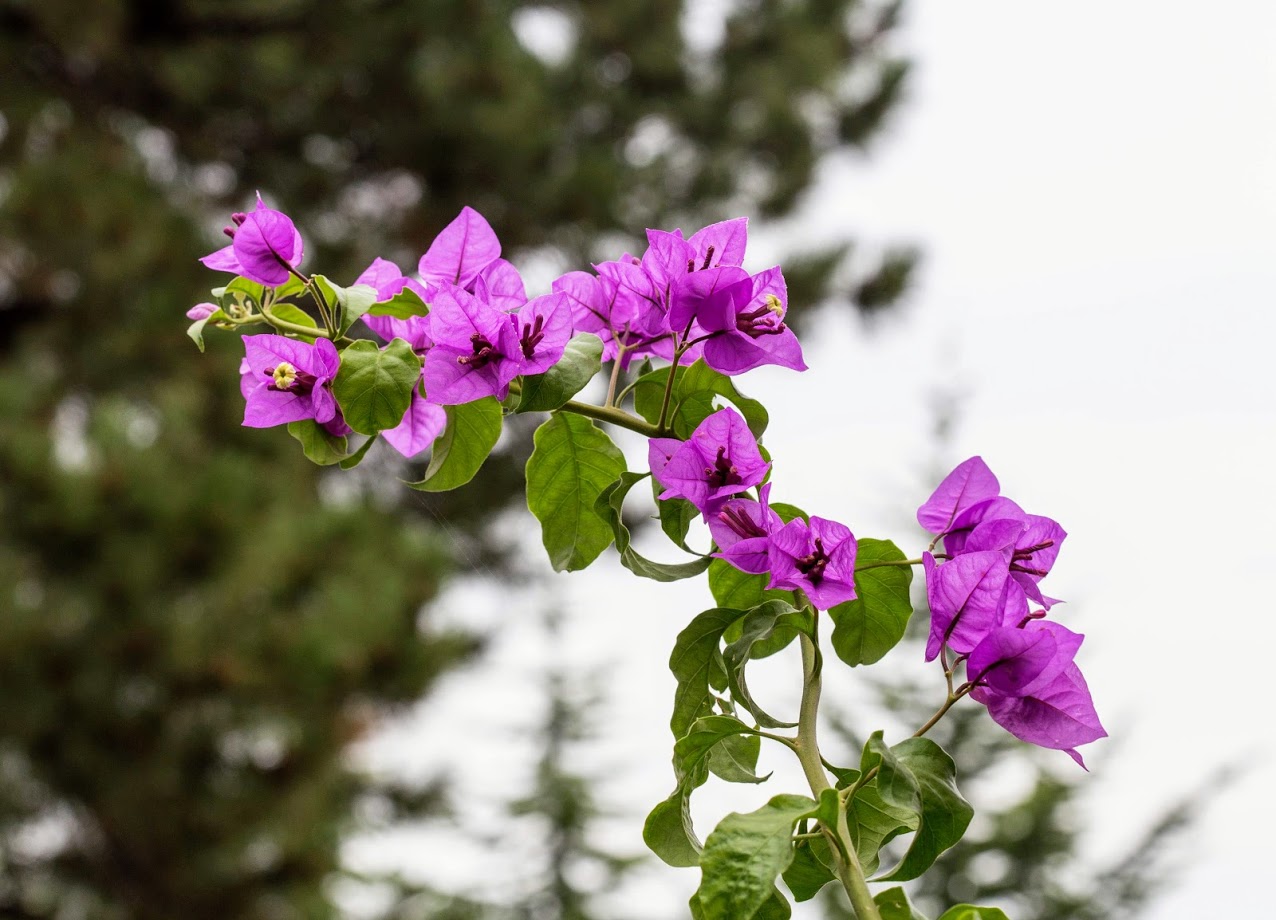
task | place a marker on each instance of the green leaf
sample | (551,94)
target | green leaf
(346,304)
(776,907)
(196,329)
(403,305)
(873,823)
(868,627)
(692,662)
(810,870)
(761,625)
(917,776)
(744,855)
(374,385)
(609,507)
(472,431)
(692,399)
(350,462)
(669,834)
(676,515)
(789,512)
(735,759)
(733,588)
(691,751)
(297,316)
(893,904)
(293,287)
(316,443)
(970,912)
(571,463)
(581,360)
(239,290)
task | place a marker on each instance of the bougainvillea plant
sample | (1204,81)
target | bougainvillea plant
(435,361)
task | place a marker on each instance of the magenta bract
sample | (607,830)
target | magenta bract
(719,460)
(818,558)
(264,246)
(288,381)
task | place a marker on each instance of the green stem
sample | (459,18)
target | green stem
(610,414)
(849,871)
(664,403)
(615,376)
(284,326)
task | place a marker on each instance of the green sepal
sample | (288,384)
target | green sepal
(571,464)
(346,304)
(970,912)
(692,663)
(581,361)
(760,625)
(374,385)
(692,399)
(866,628)
(354,459)
(917,777)
(745,854)
(893,904)
(196,329)
(609,507)
(403,305)
(289,313)
(472,431)
(317,444)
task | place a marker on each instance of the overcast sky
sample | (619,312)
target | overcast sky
(1094,187)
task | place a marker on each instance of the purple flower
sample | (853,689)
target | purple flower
(969,483)
(422,423)
(202,311)
(461,251)
(720,459)
(742,529)
(1033,542)
(1059,715)
(265,246)
(500,285)
(746,327)
(818,558)
(384,277)
(968,599)
(478,349)
(1019,660)
(597,307)
(288,380)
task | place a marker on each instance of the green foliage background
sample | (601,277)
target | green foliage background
(197,622)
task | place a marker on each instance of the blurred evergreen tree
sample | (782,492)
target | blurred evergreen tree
(196,622)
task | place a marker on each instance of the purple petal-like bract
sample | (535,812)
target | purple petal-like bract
(461,251)
(818,558)
(720,459)
(502,285)
(967,598)
(201,311)
(1020,660)
(1060,715)
(752,327)
(727,239)
(476,352)
(969,483)
(596,307)
(293,380)
(388,281)
(422,423)
(263,247)
(742,529)
(542,328)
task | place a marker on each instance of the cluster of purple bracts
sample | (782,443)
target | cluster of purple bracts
(687,299)
(711,469)
(1020,665)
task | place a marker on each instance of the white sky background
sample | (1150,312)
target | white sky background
(1094,188)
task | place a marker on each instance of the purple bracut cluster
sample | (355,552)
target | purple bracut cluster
(711,469)
(689,298)
(1020,665)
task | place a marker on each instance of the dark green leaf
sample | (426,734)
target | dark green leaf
(581,360)
(240,290)
(893,904)
(691,751)
(472,431)
(297,316)
(692,662)
(873,823)
(810,870)
(969,912)
(609,506)
(573,461)
(676,515)
(350,462)
(789,512)
(744,855)
(346,304)
(735,759)
(374,385)
(918,777)
(669,834)
(868,627)
(403,305)
(700,378)
(692,398)
(316,443)
(761,625)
